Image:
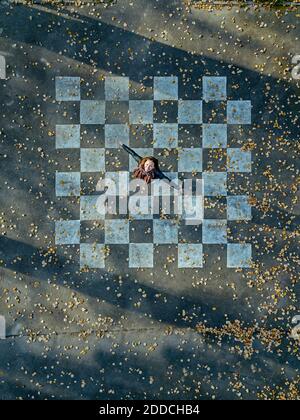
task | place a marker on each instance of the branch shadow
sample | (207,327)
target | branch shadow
(166,309)
(194,368)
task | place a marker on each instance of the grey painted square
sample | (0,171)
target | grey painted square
(67,184)
(116,135)
(117,182)
(165,136)
(68,136)
(215,184)
(190,112)
(90,208)
(165,88)
(214,88)
(193,209)
(215,136)
(239,255)
(141,207)
(214,231)
(141,255)
(117,88)
(165,232)
(92,160)
(190,160)
(117,231)
(238,160)
(238,207)
(141,112)
(92,255)
(92,112)
(190,256)
(239,112)
(67,88)
(67,232)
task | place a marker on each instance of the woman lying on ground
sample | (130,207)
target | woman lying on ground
(148,167)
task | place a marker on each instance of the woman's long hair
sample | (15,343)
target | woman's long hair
(140,172)
(153,159)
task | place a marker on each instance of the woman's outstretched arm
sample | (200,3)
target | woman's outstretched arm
(135,156)
(164,177)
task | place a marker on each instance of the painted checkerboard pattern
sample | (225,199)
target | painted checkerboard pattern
(177,131)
